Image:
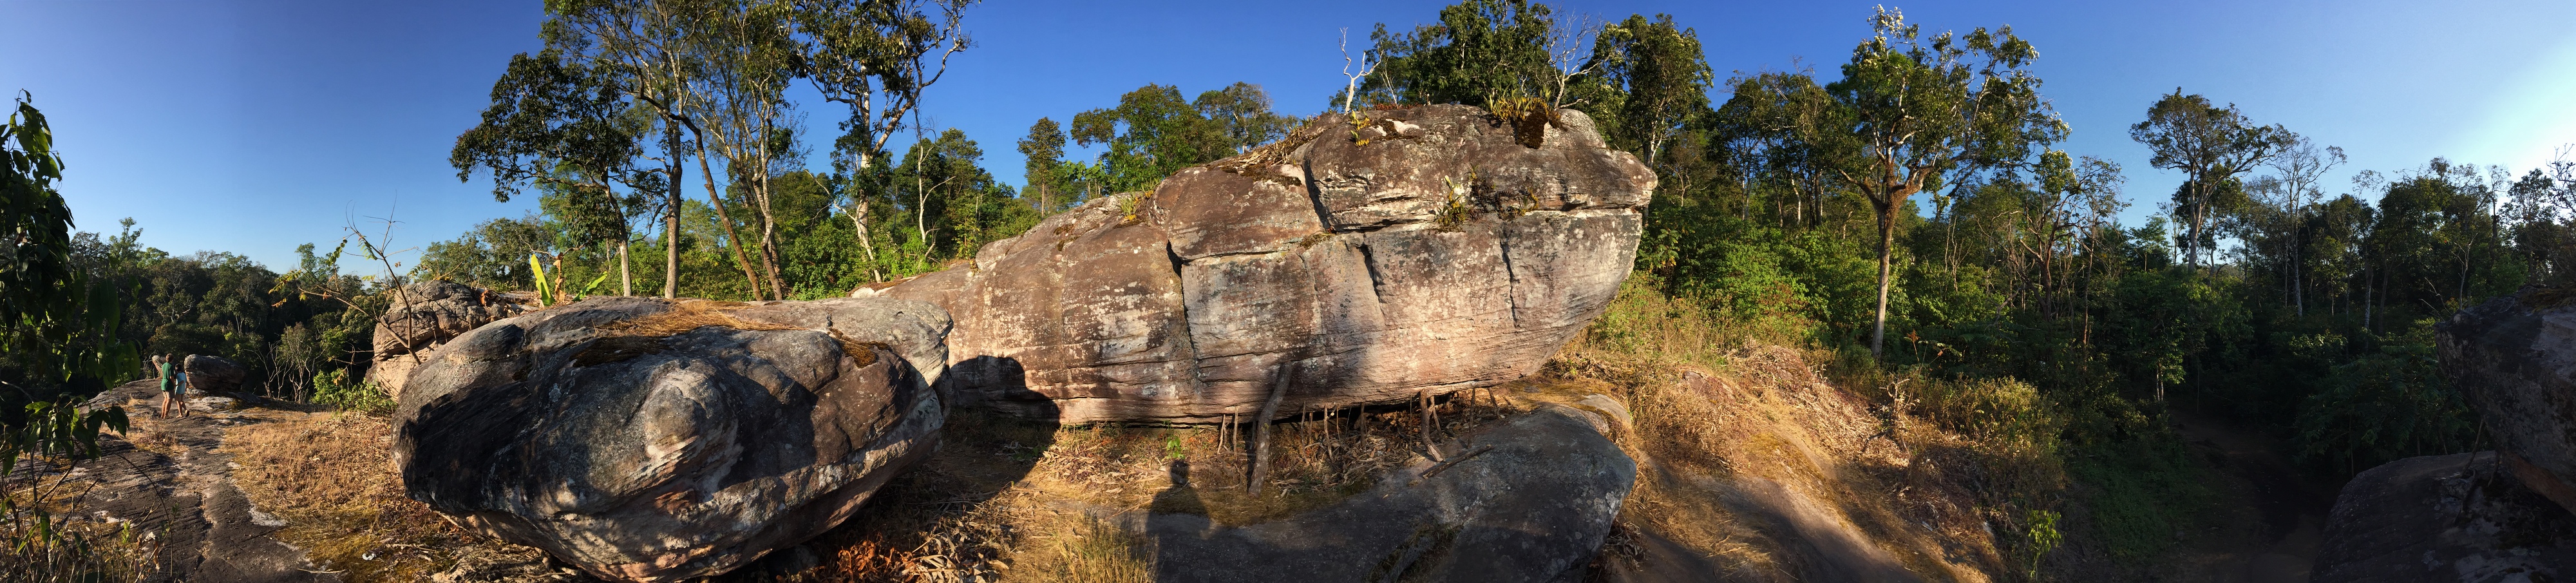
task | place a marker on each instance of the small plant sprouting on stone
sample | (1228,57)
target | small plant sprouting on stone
(1454,210)
(1527,116)
(1131,207)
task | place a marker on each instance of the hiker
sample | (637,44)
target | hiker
(174,385)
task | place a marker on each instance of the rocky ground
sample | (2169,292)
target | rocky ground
(201,515)
(1012,500)
(169,479)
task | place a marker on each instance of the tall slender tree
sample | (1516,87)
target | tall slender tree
(876,57)
(1044,150)
(744,60)
(1912,113)
(2210,145)
(2302,167)
(1663,75)
(646,45)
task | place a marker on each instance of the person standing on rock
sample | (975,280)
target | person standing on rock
(174,382)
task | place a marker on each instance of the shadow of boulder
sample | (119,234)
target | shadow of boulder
(1526,499)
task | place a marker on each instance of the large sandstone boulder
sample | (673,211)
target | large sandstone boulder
(424,315)
(2514,358)
(2459,517)
(1435,255)
(213,374)
(651,440)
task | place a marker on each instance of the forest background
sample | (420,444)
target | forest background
(1909,207)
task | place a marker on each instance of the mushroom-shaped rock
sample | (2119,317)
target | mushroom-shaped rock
(653,440)
(1441,252)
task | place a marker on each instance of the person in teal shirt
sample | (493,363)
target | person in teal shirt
(172,385)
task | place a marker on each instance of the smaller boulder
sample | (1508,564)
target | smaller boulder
(1529,499)
(214,404)
(214,374)
(426,314)
(2460,517)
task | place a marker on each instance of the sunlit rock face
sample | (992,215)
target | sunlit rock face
(1429,250)
(651,440)
(423,315)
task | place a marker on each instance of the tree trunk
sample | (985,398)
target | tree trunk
(768,237)
(858,223)
(1886,268)
(732,239)
(859,214)
(1260,470)
(625,280)
(671,240)
(2367,287)
(921,207)
(2298,276)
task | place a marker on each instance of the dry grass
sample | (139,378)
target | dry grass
(686,315)
(1936,473)
(330,477)
(640,336)
(1081,549)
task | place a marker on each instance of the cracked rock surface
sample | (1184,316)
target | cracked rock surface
(642,439)
(1428,250)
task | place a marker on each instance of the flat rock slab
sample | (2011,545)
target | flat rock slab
(2460,517)
(1534,507)
(207,531)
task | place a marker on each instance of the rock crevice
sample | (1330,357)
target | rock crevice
(1451,258)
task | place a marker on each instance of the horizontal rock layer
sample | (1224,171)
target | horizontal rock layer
(1428,251)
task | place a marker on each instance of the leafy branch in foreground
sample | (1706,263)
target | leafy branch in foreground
(59,326)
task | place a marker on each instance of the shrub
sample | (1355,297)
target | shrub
(336,389)
(36,543)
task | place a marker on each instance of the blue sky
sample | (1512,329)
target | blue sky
(252,127)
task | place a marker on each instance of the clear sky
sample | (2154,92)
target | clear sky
(252,127)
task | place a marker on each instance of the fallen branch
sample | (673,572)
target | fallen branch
(1453,462)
